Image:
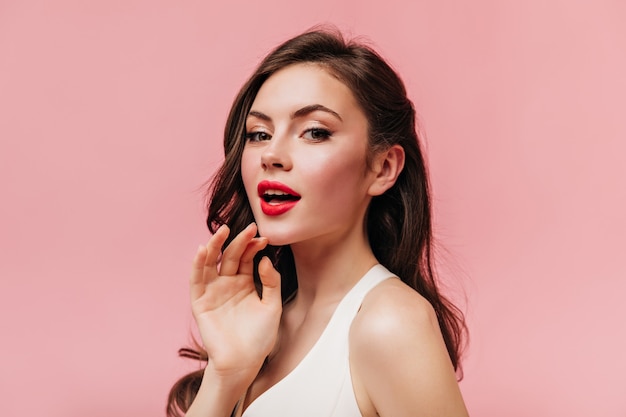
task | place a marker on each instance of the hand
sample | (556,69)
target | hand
(238,328)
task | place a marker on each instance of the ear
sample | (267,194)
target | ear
(387,165)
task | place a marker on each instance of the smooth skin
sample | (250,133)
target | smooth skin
(398,360)
(232,318)
(399,363)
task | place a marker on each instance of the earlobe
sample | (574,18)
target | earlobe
(387,165)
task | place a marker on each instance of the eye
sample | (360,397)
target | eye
(257,136)
(316,134)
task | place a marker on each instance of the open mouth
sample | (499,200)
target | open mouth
(278,197)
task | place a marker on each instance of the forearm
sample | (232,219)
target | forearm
(217,395)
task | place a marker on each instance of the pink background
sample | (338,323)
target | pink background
(111,113)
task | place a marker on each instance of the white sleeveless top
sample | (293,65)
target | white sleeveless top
(321,384)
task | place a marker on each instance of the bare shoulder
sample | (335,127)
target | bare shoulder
(398,359)
(391,309)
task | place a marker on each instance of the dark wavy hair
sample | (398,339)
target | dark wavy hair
(399,224)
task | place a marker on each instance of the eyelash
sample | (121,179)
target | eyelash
(322,134)
(253,136)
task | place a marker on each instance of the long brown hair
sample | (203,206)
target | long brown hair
(398,222)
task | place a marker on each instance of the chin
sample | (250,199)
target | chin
(275,239)
(278,242)
(275,236)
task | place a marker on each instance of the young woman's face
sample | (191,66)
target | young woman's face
(304,163)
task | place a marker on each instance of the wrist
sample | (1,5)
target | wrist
(218,393)
(232,381)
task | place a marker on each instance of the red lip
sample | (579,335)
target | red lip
(276,207)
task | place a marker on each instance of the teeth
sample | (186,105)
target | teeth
(274,196)
(274,192)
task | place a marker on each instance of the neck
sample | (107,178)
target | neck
(326,271)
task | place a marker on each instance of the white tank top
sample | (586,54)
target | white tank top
(321,384)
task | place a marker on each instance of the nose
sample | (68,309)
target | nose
(276,154)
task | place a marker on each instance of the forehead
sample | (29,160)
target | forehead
(301,85)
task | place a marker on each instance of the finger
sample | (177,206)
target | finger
(246,263)
(214,250)
(204,266)
(232,254)
(196,282)
(270,278)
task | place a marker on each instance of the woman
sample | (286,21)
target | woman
(321,204)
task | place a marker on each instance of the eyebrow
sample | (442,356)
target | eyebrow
(312,108)
(298,113)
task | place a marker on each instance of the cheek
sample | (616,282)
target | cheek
(338,177)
